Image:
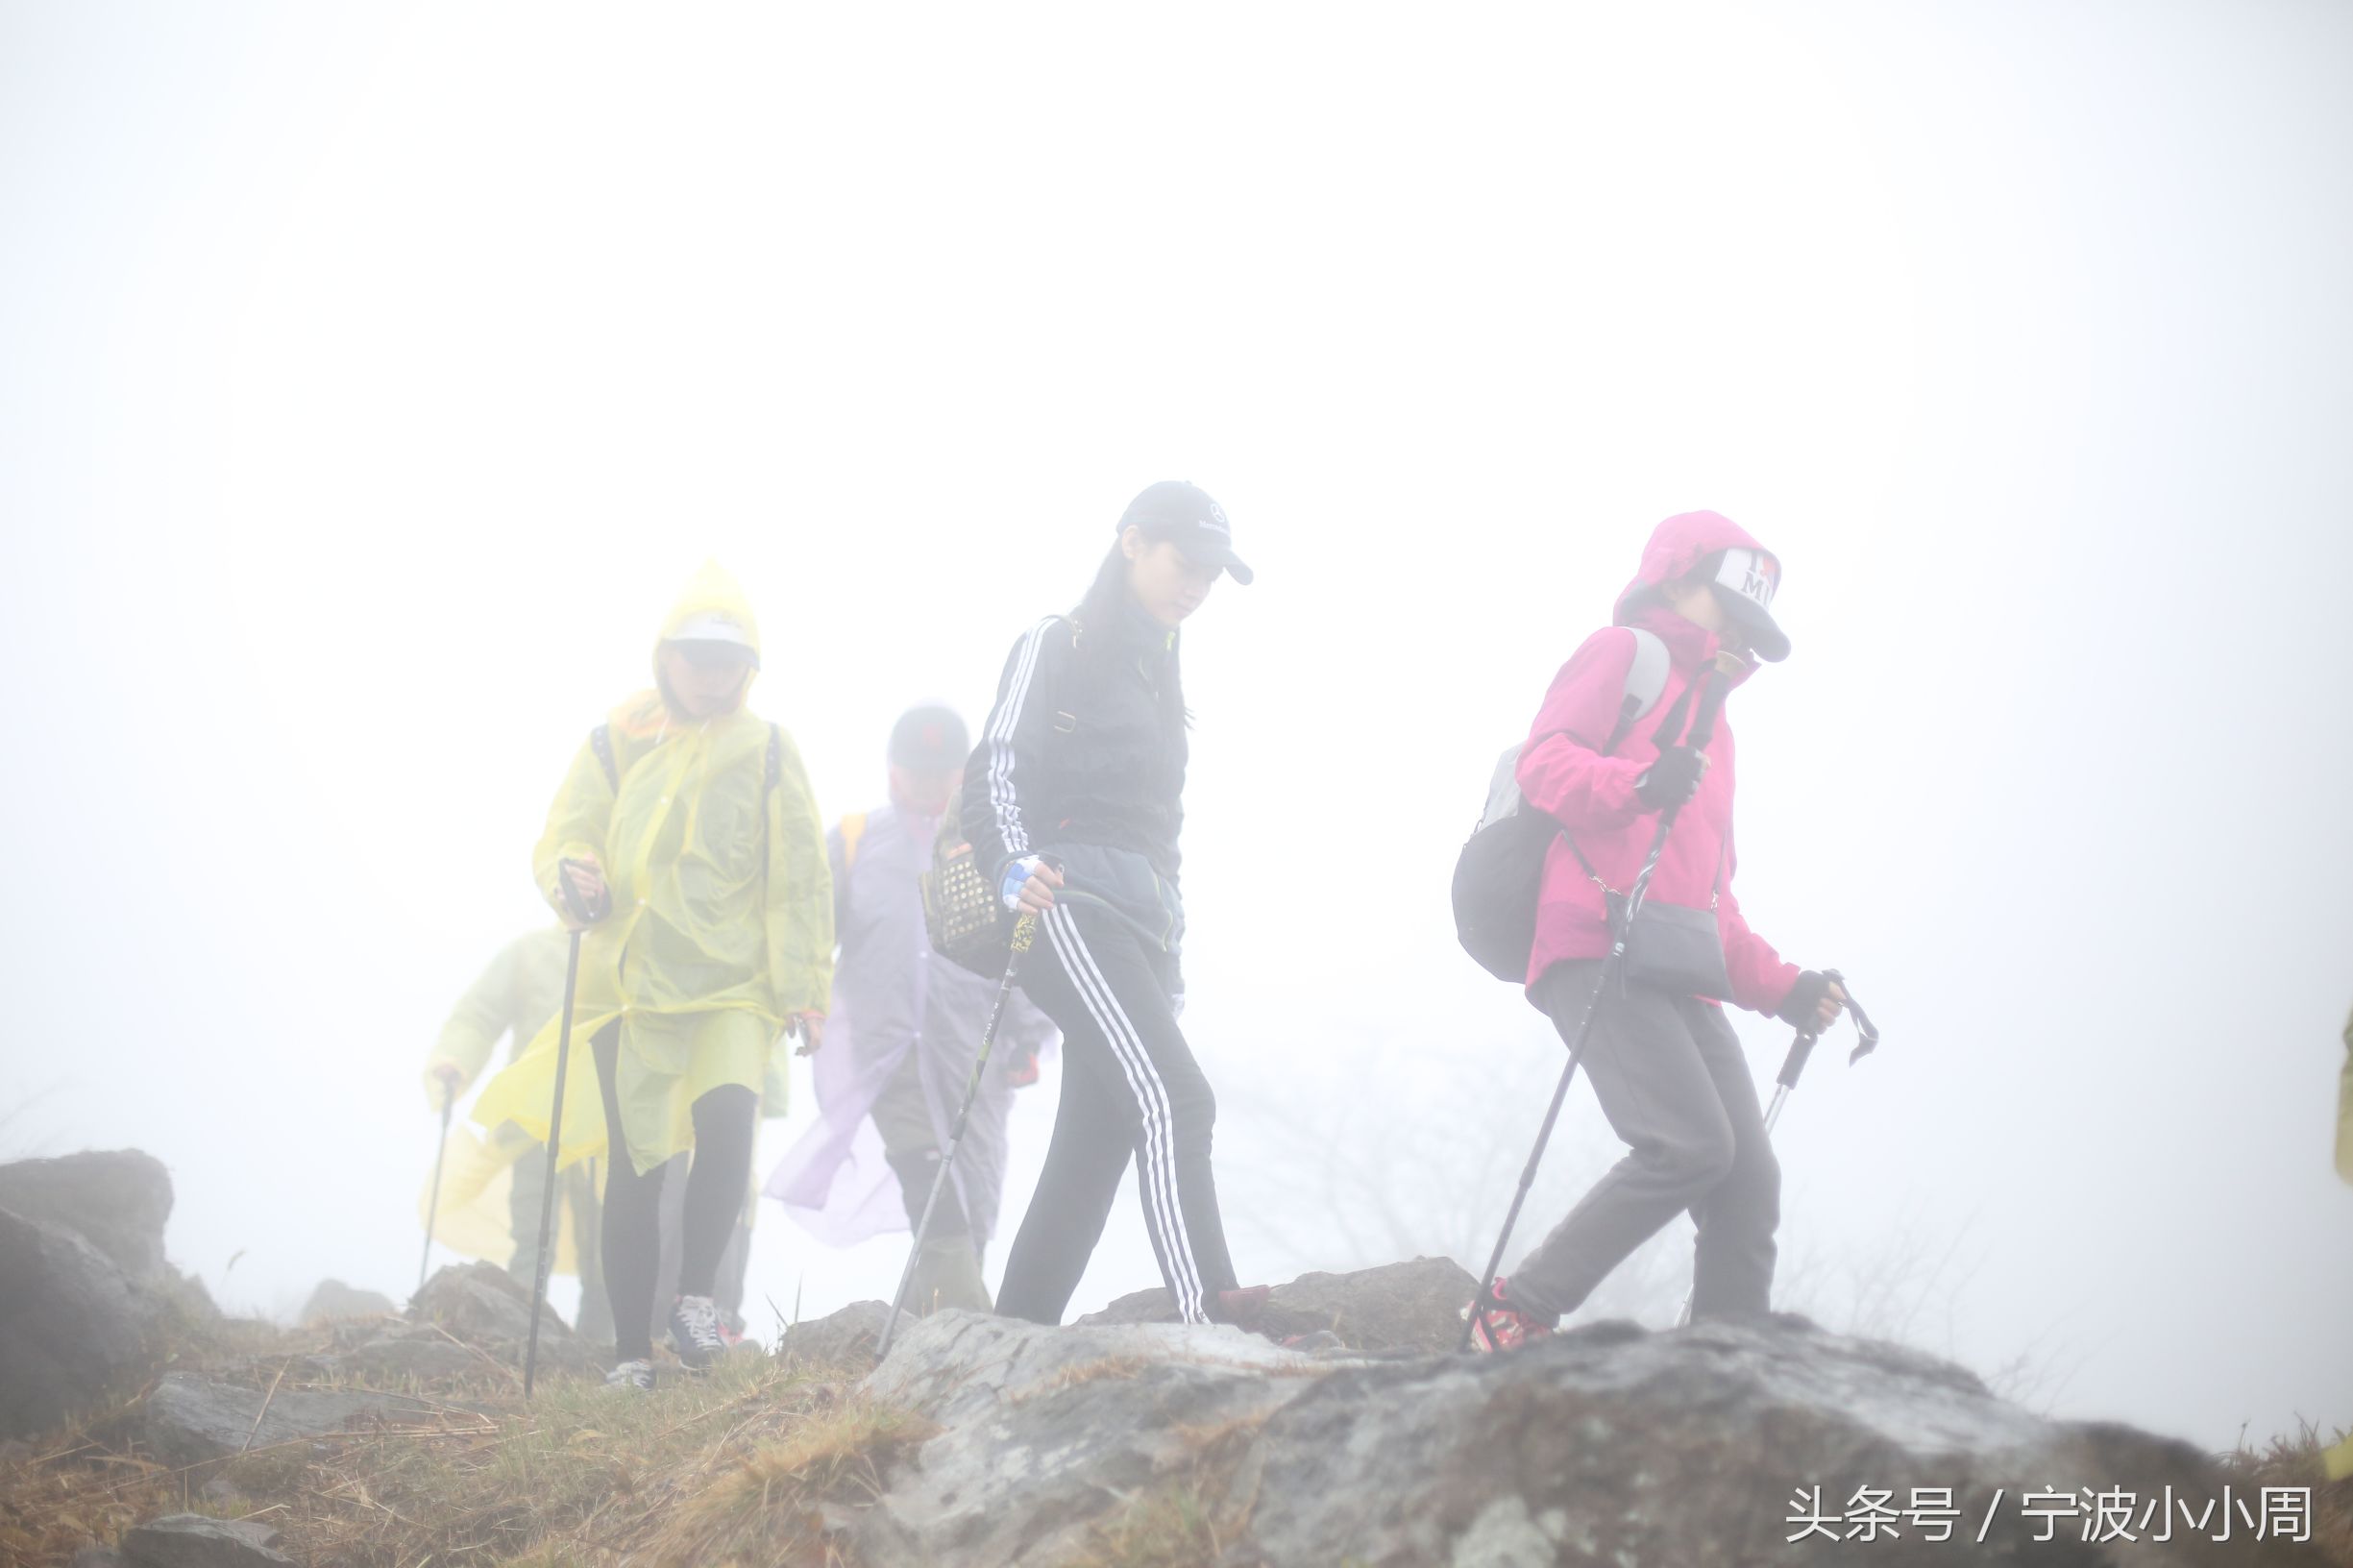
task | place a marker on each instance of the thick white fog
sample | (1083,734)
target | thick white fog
(372,379)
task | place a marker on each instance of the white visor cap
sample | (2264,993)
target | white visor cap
(712,627)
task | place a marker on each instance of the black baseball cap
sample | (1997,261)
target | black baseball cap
(929,739)
(1183,514)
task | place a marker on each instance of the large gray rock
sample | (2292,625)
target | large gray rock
(74,1327)
(1609,1445)
(845,1338)
(189,1419)
(117,1200)
(1692,1449)
(1415,1305)
(191,1540)
(1046,1432)
(335,1301)
(487,1307)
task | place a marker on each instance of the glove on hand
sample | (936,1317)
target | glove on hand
(1017,873)
(1802,1008)
(1673,779)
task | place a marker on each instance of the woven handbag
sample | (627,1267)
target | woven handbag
(968,924)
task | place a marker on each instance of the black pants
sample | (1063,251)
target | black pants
(724,1121)
(1130,1086)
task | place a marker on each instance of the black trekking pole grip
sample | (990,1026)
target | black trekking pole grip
(1800,1051)
(586,914)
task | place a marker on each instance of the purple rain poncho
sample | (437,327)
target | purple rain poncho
(893,995)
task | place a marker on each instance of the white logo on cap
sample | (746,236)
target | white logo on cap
(1217,522)
(1752,574)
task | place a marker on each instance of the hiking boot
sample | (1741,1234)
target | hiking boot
(1243,1308)
(1504,1326)
(630,1378)
(948,1274)
(694,1332)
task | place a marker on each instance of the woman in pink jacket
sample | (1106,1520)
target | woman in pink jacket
(1663,1062)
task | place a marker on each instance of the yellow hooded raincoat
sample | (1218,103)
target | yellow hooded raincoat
(722,915)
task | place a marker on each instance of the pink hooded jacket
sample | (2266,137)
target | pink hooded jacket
(1563,773)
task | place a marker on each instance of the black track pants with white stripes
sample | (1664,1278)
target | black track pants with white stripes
(1130,1086)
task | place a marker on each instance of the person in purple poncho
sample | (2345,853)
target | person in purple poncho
(903,1028)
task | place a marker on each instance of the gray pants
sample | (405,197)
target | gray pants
(1672,1080)
(580,1185)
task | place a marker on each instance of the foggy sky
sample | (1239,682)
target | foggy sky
(371,379)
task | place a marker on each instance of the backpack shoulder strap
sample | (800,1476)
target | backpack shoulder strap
(853,828)
(600,741)
(1646,681)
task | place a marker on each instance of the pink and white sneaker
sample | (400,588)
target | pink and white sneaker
(1504,1326)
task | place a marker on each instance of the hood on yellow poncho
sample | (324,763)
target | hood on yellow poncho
(712,608)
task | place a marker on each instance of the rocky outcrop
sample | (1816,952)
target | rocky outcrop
(485,1306)
(334,1302)
(1711,1445)
(74,1327)
(1414,1305)
(117,1200)
(189,1419)
(845,1338)
(1044,1432)
(88,1302)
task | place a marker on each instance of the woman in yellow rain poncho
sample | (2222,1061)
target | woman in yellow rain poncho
(693,821)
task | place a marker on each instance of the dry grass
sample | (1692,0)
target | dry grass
(1172,1528)
(1121,1367)
(779,1504)
(2295,1461)
(1191,1518)
(739,1466)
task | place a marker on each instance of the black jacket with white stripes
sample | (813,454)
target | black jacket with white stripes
(1079,748)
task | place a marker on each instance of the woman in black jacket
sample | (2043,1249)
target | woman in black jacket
(1082,763)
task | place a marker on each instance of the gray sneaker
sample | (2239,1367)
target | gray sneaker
(694,1332)
(630,1378)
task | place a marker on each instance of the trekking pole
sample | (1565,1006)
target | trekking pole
(1793,1068)
(1793,1065)
(432,1205)
(1024,934)
(1712,692)
(555,1129)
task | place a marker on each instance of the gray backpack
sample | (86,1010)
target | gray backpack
(1500,873)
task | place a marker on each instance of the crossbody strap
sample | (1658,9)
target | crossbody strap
(1678,714)
(1715,894)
